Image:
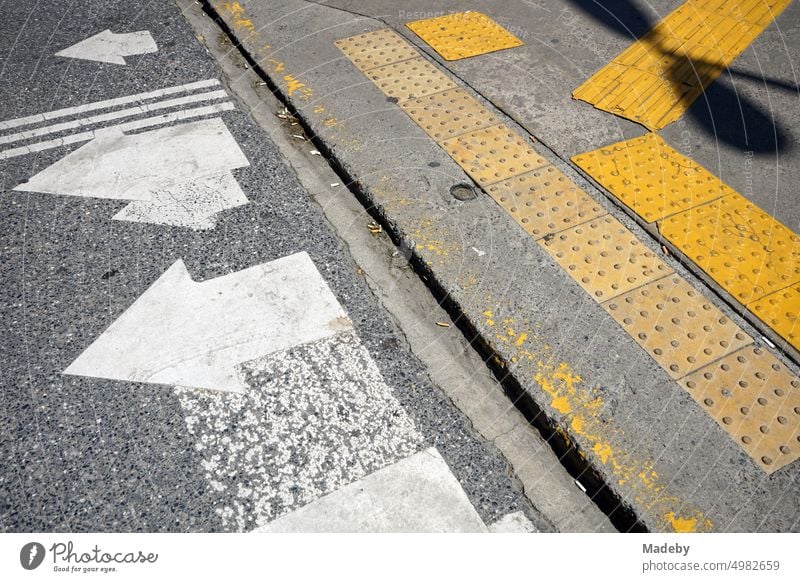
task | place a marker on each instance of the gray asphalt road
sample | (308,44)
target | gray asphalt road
(93,454)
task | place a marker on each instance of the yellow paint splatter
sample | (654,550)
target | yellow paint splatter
(682,525)
(236,12)
(521,339)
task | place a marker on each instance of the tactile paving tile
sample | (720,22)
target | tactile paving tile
(604,258)
(761,12)
(746,251)
(376,49)
(678,327)
(545,201)
(448,114)
(756,400)
(658,77)
(637,95)
(650,177)
(464,34)
(409,79)
(493,154)
(781,311)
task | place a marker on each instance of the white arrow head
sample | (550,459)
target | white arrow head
(178,175)
(197,334)
(107,47)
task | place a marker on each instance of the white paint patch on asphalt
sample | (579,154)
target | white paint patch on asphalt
(165,168)
(418,494)
(129,126)
(108,47)
(314,419)
(192,204)
(197,334)
(106,104)
(513,523)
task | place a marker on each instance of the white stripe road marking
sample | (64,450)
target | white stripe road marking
(106,104)
(130,126)
(130,112)
(196,335)
(418,494)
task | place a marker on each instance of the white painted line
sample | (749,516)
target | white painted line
(106,104)
(119,114)
(130,126)
(197,334)
(108,47)
(418,494)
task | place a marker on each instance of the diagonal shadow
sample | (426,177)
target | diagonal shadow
(720,109)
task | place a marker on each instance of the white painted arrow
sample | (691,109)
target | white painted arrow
(197,334)
(107,47)
(178,175)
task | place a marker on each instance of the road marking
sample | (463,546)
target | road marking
(513,523)
(197,334)
(655,80)
(130,126)
(448,114)
(545,201)
(650,177)
(108,47)
(676,325)
(417,495)
(107,104)
(463,34)
(119,114)
(178,175)
(409,79)
(756,400)
(314,418)
(604,258)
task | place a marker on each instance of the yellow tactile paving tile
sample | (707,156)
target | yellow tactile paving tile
(780,311)
(463,34)
(545,201)
(676,325)
(409,79)
(492,154)
(660,75)
(756,400)
(650,177)
(761,12)
(604,258)
(377,48)
(746,251)
(448,114)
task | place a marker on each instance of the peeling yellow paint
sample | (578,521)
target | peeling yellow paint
(682,525)
(581,407)
(236,12)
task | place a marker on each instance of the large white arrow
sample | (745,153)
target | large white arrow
(107,47)
(193,334)
(178,175)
